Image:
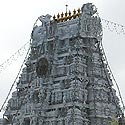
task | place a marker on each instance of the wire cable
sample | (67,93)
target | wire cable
(14,81)
(113,76)
(14,57)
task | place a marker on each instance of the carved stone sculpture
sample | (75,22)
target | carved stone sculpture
(64,82)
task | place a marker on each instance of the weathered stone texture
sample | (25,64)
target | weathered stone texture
(65,81)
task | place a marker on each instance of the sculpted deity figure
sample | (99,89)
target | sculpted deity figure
(39,32)
(64,98)
(31,94)
(33,120)
(89,9)
(21,121)
(45,19)
(90,22)
(42,94)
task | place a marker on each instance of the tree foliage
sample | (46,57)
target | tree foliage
(113,122)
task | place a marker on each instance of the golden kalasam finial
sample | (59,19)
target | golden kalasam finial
(67,16)
(74,14)
(78,10)
(62,18)
(58,17)
(74,11)
(54,17)
(62,15)
(69,13)
(78,14)
(70,16)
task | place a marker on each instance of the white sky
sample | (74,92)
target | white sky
(18,16)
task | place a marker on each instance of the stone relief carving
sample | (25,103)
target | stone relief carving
(89,9)
(45,19)
(90,25)
(38,35)
(69,94)
(39,32)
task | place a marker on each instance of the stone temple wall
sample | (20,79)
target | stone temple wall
(65,80)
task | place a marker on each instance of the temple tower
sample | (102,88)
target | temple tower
(65,80)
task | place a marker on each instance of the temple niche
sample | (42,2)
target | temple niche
(65,80)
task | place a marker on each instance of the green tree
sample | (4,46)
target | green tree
(113,122)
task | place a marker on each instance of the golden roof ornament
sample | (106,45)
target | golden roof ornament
(67,15)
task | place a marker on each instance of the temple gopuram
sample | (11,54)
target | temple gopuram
(65,80)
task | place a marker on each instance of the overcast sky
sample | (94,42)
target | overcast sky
(18,16)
